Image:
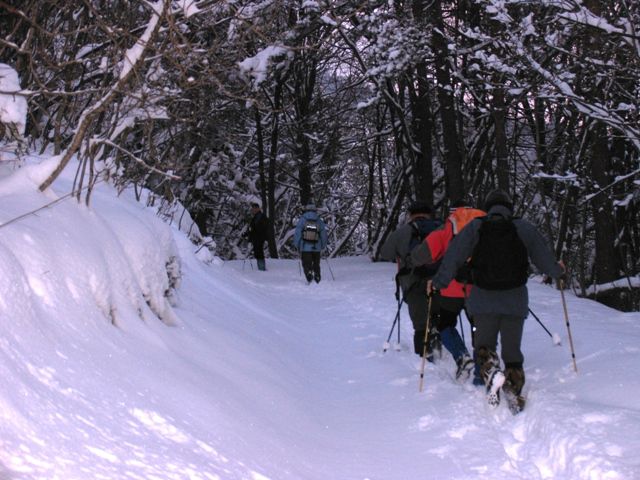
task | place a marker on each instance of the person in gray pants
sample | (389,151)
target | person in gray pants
(499,301)
(413,282)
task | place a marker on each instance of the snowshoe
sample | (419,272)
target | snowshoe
(491,374)
(465,366)
(494,381)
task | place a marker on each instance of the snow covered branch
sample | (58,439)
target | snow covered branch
(133,59)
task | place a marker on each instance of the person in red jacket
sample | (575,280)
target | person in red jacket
(450,300)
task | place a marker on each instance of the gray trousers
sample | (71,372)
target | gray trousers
(509,327)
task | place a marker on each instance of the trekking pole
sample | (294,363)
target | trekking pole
(386,345)
(398,342)
(400,300)
(566,317)
(330,271)
(424,348)
(555,337)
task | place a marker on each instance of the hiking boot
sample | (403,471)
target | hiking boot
(465,365)
(514,379)
(512,388)
(316,277)
(309,277)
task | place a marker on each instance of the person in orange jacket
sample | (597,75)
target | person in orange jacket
(450,300)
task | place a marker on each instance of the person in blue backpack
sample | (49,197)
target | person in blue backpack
(412,279)
(310,239)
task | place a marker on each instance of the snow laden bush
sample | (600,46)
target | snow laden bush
(115,259)
(151,254)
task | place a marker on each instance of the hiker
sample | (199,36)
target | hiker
(450,300)
(500,247)
(258,230)
(310,239)
(413,281)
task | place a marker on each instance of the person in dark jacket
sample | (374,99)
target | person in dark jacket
(258,231)
(310,239)
(413,283)
(498,312)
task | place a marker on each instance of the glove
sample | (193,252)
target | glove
(563,275)
(431,290)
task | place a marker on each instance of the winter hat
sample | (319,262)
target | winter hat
(498,197)
(461,202)
(310,208)
(420,207)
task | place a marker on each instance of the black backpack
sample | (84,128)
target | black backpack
(420,228)
(500,260)
(311,230)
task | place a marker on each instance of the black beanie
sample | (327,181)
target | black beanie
(420,207)
(498,197)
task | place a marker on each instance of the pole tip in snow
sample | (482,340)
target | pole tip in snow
(385,347)
(397,347)
(556,339)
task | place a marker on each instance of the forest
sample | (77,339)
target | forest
(359,106)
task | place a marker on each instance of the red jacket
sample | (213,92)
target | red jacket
(437,242)
(435,245)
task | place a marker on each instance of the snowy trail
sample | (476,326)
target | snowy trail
(368,403)
(258,376)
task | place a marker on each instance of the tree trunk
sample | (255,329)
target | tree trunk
(452,153)
(500,138)
(304,83)
(607,262)
(422,131)
(273,160)
(607,266)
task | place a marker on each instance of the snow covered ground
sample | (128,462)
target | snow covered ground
(242,374)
